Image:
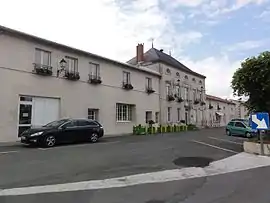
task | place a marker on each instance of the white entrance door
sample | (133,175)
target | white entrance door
(45,110)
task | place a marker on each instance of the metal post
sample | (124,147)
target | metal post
(261,142)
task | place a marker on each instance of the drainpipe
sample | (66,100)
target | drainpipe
(160,98)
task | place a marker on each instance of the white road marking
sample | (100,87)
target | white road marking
(223,140)
(214,146)
(239,162)
(8,152)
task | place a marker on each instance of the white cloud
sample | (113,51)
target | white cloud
(219,72)
(247,45)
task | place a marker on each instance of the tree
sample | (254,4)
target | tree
(253,80)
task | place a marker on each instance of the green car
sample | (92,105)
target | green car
(240,128)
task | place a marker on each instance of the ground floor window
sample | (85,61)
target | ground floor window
(169,114)
(178,114)
(148,116)
(93,114)
(157,117)
(124,112)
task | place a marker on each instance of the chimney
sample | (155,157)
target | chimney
(140,53)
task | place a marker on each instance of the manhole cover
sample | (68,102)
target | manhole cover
(192,161)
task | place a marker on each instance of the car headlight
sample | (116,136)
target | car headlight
(36,134)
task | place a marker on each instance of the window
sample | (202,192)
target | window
(168,71)
(72,64)
(126,77)
(93,114)
(168,89)
(239,124)
(86,123)
(178,114)
(193,79)
(186,77)
(201,96)
(148,83)
(178,92)
(177,74)
(70,124)
(194,95)
(230,123)
(94,69)
(43,57)
(123,112)
(148,116)
(200,82)
(186,93)
(169,114)
(157,117)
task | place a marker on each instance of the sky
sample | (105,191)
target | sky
(211,37)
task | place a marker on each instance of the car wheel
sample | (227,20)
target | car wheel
(49,141)
(228,133)
(248,135)
(94,137)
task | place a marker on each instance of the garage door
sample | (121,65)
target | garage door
(45,110)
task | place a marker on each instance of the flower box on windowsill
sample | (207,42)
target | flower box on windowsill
(196,102)
(72,75)
(179,99)
(42,69)
(210,106)
(218,108)
(170,98)
(127,86)
(95,79)
(203,103)
(150,90)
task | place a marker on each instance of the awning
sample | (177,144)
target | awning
(220,113)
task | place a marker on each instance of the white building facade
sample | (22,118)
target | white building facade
(182,91)
(42,81)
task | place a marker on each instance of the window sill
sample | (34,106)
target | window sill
(123,121)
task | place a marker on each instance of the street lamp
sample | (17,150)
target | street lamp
(63,65)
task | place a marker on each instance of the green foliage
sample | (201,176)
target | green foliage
(253,80)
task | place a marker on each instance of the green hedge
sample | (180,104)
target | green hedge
(142,130)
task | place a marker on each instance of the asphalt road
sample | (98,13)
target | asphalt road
(124,156)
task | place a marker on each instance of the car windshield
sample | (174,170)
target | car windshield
(246,122)
(56,123)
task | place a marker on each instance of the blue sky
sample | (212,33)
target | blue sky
(210,37)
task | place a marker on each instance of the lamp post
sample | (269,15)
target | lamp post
(63,65)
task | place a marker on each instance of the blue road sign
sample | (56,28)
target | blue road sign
(259,121)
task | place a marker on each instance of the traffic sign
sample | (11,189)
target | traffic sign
(259,121)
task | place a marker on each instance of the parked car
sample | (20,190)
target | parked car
(63,131)
(241,128)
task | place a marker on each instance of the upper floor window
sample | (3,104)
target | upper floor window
(42,57)
(94,69)
(126,77)
(193,79)
(72,64)
(194,95)
(168,89)
(185,93)
(186,77)
(200,82)
(168,71)
(201,98)
(178,92)
(177,74)
(148,83)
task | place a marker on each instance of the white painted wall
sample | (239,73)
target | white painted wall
(16,65)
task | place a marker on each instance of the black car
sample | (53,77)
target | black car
(63,131)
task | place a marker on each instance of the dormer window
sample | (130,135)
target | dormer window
(186,77)
(200,82)
(177,74)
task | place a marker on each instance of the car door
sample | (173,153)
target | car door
(67,132)
(84,127)
(239,128)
